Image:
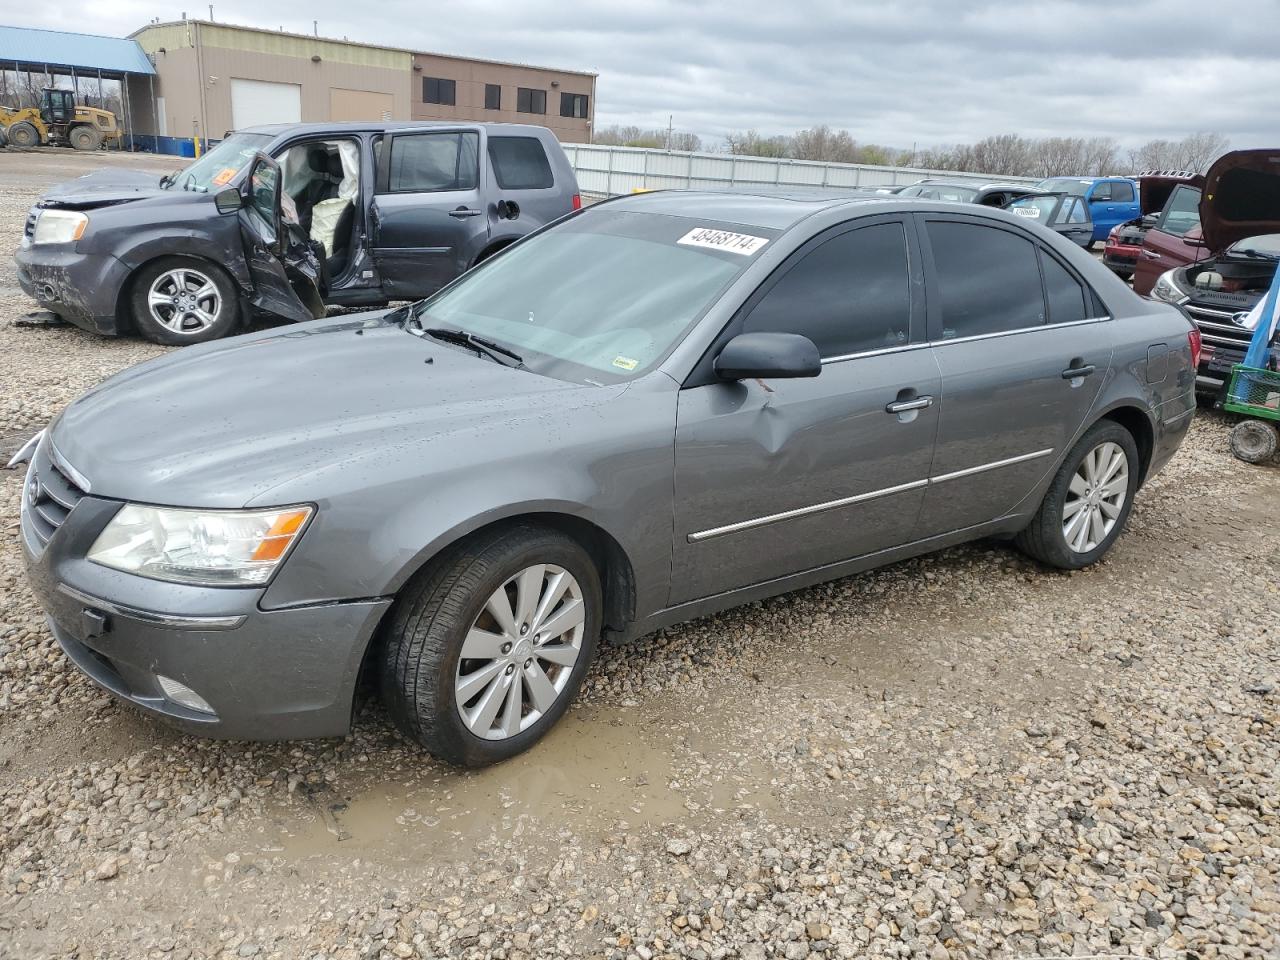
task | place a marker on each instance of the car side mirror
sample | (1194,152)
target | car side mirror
(508,210)
(228,200)
(768,356)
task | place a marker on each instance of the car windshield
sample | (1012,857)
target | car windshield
(1070,185)
(219,166)
(1266,245)
(1039,209)
(600,298)
(940,191)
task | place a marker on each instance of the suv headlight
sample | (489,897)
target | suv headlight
(59,226)
(1166,288)
(214,548)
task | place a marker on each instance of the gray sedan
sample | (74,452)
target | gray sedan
(662,406)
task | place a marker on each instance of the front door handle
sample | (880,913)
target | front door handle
(462,213)
(906,406)
(1150,255)
(1077,370)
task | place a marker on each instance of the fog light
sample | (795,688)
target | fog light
(183,695)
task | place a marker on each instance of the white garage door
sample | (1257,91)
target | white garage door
(254,102)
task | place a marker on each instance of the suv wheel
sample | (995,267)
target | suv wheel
(1086,506)
(486,650)
(177,301)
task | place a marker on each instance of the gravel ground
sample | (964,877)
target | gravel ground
(960,756)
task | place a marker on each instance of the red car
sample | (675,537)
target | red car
(1160,208)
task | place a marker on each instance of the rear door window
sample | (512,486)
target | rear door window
(432,162)
(848,294)
(988,279)
(520,163)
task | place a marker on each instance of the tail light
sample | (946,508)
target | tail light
(577,201)
(1193,340)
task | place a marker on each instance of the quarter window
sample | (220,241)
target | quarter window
(530,101)
(988,279)
(849,294)
(1067,299)
(492,96)
(426,162)
(573,105)
(520,163)
(437,90)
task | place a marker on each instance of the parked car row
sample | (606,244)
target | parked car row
(658,407)
(285,219)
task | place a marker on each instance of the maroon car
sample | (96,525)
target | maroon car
(1124,244)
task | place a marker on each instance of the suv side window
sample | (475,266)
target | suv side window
(848,294)
(427,162)
(520,163)
(988,279)
(1066,297)
(1122,191)
(1181,211)
(1101,191)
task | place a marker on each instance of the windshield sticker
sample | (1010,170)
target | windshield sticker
(1032,212)
(741,243)
(224,176)
(625,363)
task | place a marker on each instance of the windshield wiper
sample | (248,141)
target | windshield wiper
(1255,254)
(482,346)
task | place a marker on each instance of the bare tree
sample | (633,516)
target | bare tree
(1004,155)
(752,144)
(823,143)
(689,142)
(1197,151)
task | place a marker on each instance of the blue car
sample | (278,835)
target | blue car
(1112,200)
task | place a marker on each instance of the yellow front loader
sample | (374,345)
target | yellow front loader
(59,122)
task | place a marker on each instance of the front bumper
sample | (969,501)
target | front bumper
(265,674)
(83,289)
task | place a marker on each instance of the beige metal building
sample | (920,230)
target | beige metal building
(216,77)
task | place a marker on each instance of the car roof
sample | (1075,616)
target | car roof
(383,126)
(775,209)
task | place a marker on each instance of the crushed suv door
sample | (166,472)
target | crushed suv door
(427,219)
(284,269)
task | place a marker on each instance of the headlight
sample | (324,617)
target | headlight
(1167,289)
(59,226)
(215,548)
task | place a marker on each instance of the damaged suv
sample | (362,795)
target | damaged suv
(369,213)
(1240,223)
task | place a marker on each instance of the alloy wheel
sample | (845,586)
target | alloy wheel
(519,653)
(1095,497)
(184,300)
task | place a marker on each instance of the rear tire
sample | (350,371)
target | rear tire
(1095,486)
(85,138)
(447,656)
(1253,441)
(209,309)
(24,134)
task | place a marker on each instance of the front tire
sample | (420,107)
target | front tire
(24,134)
(488,647)
(1088,503)
(180,300)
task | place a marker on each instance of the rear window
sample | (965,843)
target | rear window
(520,163)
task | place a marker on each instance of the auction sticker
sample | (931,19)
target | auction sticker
(1031,213)
(713,239)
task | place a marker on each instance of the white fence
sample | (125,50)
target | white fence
(608,171)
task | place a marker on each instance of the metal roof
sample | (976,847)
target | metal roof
(83,51)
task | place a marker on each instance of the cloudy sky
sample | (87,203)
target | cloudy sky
(927,72)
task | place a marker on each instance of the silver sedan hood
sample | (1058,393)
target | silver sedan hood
(220,425)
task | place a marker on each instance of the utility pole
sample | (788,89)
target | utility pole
(670,117)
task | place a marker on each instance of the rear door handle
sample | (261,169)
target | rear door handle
(1082,370)
(905,406)
(1150,255)
(462,213)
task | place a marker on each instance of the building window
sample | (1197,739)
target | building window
(492,96)
(436,90)
(573,105)
(530,101)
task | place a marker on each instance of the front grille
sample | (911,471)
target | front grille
(1218,327)
(48,497)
